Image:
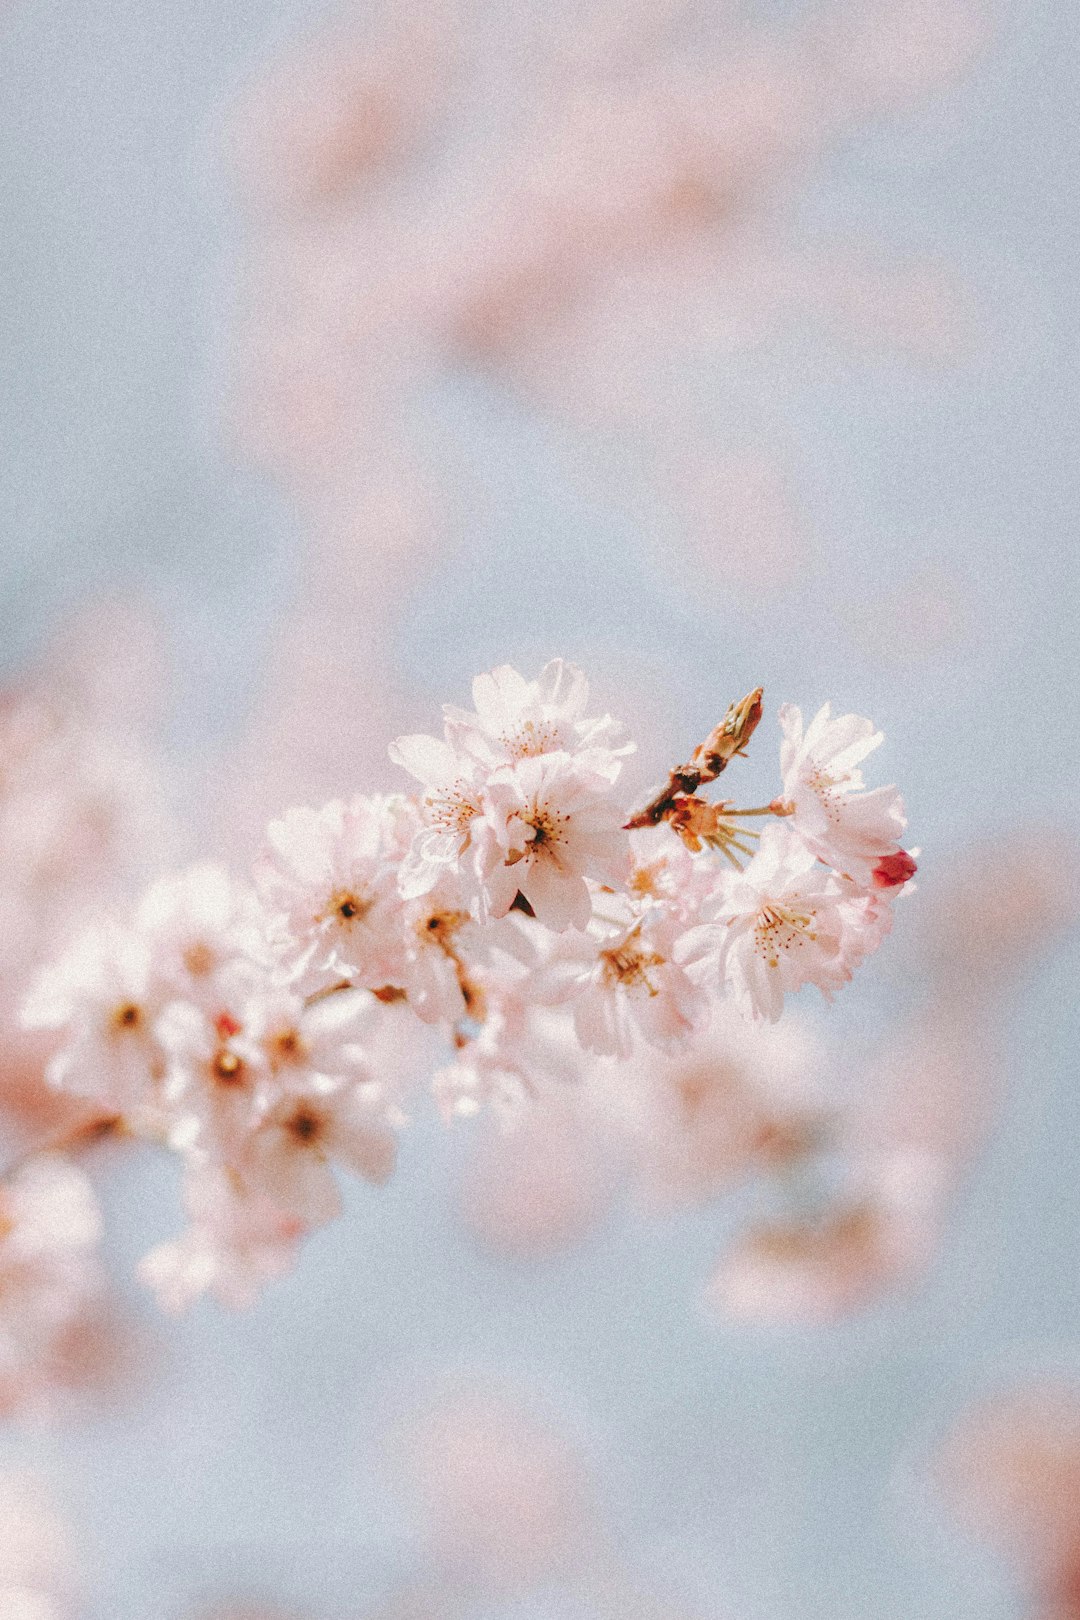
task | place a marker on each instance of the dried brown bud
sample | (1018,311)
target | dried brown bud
(726,740)
(729,738)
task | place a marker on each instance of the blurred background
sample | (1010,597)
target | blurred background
(347,352)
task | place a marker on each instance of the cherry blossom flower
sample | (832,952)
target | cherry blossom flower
(449,808)
(331,876)
(50,1275)
(518,719)
(782,923)
(214,1080)
(289,1157)
(268,1034)
(102,993)
(236,1244)
(519,787)
(549,823)
(625,981)
(203,932)
(855,831)
(519,1052)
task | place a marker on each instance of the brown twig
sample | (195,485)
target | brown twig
(706,762)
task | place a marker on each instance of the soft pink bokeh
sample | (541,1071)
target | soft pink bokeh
(1011,1469)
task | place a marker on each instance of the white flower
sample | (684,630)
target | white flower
(214,1081)
(523,734)
(518,719)
(549,823)
(202,931)
(448,809)
(783,922)
(289,1158)
(623,980)
(102,994)
(237,1243)
(330,877)
(844,825)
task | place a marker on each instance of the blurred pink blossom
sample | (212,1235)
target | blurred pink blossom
(1011,1468)
(505,1497)
(39,1576)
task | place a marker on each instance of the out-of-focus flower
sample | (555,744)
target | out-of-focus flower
(289,1157)
(740,1099)
(1012,1470)
(201,931)
(102,992)
(999,910)
(38,1570)
(541,1186)
(827,1263)
(235,1245)
(51,1282)
(505,1496)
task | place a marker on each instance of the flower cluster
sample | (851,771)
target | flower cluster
(512,904)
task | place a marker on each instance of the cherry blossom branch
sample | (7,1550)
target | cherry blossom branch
(265,1031)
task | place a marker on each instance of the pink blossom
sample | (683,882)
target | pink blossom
(1012,1470)
(822,1265)
(289,1157)
(519,1052)
(101,992)
(844,825)
(215,1080)
(50,1274)
(624,981)
(549,824)
(236,1244)
(515,796)
(783,922)
(439,939)
(518,719)
(736,1100)
(204,934)
(449,808)
(330,875)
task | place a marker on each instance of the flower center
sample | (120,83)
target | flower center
(531,738)
(451,809)
(288,1047)
(199,959)
(305,1125)
(628,964)
(347,906)
(228,1067)
(779,930)
(128,1016)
